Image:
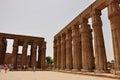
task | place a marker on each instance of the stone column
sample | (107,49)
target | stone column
(29,59)
(55,54)
(14,52)
(63,52)
(77,60)
(24,53)
(39,57)
(69,63)
(1,50)
(87,47)
(31,50)
(80,48)
(58,53)
(33,56)
(100,53)
(43,55)
(4,50)
(114,16)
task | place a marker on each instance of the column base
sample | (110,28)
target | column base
(87,70)
(117,72)
(61,69)
(101,71)
(75,70)
(54,69)
(42,69)
(58,69)
(68,69)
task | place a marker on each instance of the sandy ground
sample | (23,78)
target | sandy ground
(45,75)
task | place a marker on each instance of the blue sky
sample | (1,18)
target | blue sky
(45,18)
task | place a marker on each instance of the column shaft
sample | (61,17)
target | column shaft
(55,54)
(114,16)
(100,54)
(24,54)
(2,50)
(39,57)
(43,55)
(76,49)
(58,53)
(63,52)
(69,63)
(33,57)
(15,52)
(87,47)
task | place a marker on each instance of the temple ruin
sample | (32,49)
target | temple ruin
(23,59)
(73,45)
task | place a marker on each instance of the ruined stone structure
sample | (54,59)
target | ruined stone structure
(23,59)
(73,47)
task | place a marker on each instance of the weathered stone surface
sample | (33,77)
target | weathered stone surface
(23,59)
(79,44)
(100,54)
(114,16)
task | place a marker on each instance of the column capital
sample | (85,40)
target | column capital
(114,9)
(85,29)
(59,38)
(34,45)
(58,41)
(75,31)
(63,36)
(55,40)
(44,45)
(75,27)
(25,43)
(1,40)
(15,43)
(96,19)
(84,24)
(84,21)
(96,12)
(54,43)
(68,35)
(69,31)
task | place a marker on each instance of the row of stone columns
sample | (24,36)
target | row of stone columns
(76,49)
(73,49)
(24,59)
(33,62)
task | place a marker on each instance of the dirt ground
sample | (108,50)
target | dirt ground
(45,75)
